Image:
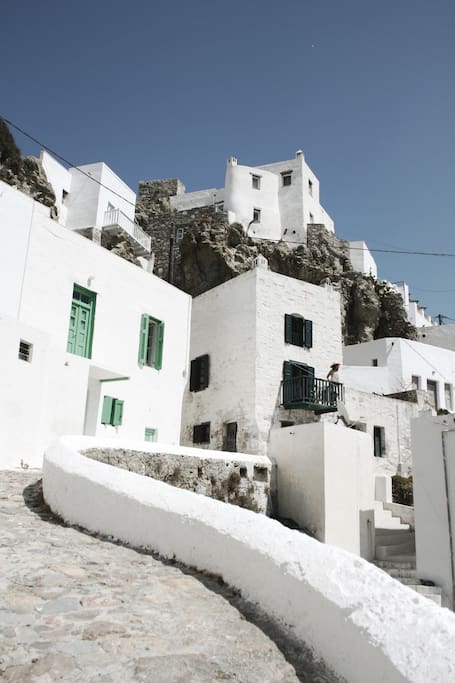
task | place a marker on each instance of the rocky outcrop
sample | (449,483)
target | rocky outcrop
(27,174)
(212,251)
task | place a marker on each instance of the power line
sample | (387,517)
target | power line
(69,163)
(65,161)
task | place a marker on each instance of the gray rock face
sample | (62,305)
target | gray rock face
(27,174)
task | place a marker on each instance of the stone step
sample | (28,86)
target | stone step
(399,562)
(385,520)
(398,573)
(391,537)
(385,552)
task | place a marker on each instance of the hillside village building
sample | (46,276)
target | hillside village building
(276,201)
(91,344)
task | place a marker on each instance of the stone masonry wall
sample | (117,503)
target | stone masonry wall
(233,481)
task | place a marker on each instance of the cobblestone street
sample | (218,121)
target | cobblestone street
(75,607)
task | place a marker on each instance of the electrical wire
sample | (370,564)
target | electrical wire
(65,161)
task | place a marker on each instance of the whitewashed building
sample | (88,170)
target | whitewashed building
(416,313)
(91,344)
(261,347)
(93,200)
(275,201)
(394,365)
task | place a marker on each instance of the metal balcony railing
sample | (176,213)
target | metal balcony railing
(312,393)
(114,218)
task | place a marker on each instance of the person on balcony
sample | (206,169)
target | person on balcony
(332,374)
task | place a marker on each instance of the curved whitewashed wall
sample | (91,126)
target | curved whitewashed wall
(364,624)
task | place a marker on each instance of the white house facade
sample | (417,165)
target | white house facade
(261,346)
(91,344)
(276,201)
(393,365)
(93,198)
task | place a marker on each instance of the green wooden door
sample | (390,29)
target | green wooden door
(82,317)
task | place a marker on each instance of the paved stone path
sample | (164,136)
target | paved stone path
(77,607)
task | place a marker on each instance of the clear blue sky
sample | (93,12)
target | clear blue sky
(157,90)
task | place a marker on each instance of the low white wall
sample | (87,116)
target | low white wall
(433,502)
(325,480)
(365,625)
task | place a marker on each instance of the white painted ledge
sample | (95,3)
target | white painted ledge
(365,625)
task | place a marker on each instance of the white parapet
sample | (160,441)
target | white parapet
(364,624)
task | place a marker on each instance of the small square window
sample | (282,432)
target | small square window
(415,382)
(287,179)
(310,187)
(374,362)
(298,331)
(230,437)
(256,182)
(256,215)
(25,351)
(201,433)
(179,234)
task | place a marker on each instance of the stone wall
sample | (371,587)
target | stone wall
(233,481)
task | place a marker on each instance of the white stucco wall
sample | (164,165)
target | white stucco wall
(324,481)
(394,415)
(364,624)
(192,200)
(438,335)
(242,198)
(38,273)
(405,359)
(60,179)
(362,259)
(88,201)
(433,442)
(240,324)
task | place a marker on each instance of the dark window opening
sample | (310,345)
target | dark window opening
(378,441)
(199,373)
(374,362)
(230,437)
(25,351)
(201,433)
(256,215)
(287,423)
(287,179)
(260,473)
(256,182)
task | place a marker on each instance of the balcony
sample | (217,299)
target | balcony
(312,393)
(115,221)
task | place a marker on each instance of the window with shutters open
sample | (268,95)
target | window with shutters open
(112,413)
(199,373)
(298,331)
(151,342)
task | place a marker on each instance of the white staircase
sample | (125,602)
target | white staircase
(395,553)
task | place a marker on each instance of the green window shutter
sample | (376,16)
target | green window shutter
(204,370)
(159,346)
(288,328)
(107,410)
(150,434)
(308,333)
(117,413)
(143,338)
(194,374)
(287,384)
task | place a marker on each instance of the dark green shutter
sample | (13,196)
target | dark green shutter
(287,384)
(308,333)
(143,337)
(194,375)
(107,410)
(117,413)
(159,346)
(204,368)
(288,328)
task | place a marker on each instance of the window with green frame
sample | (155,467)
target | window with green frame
(151,434)
(151,342)
(82,320)
(298,331)
(112,412)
